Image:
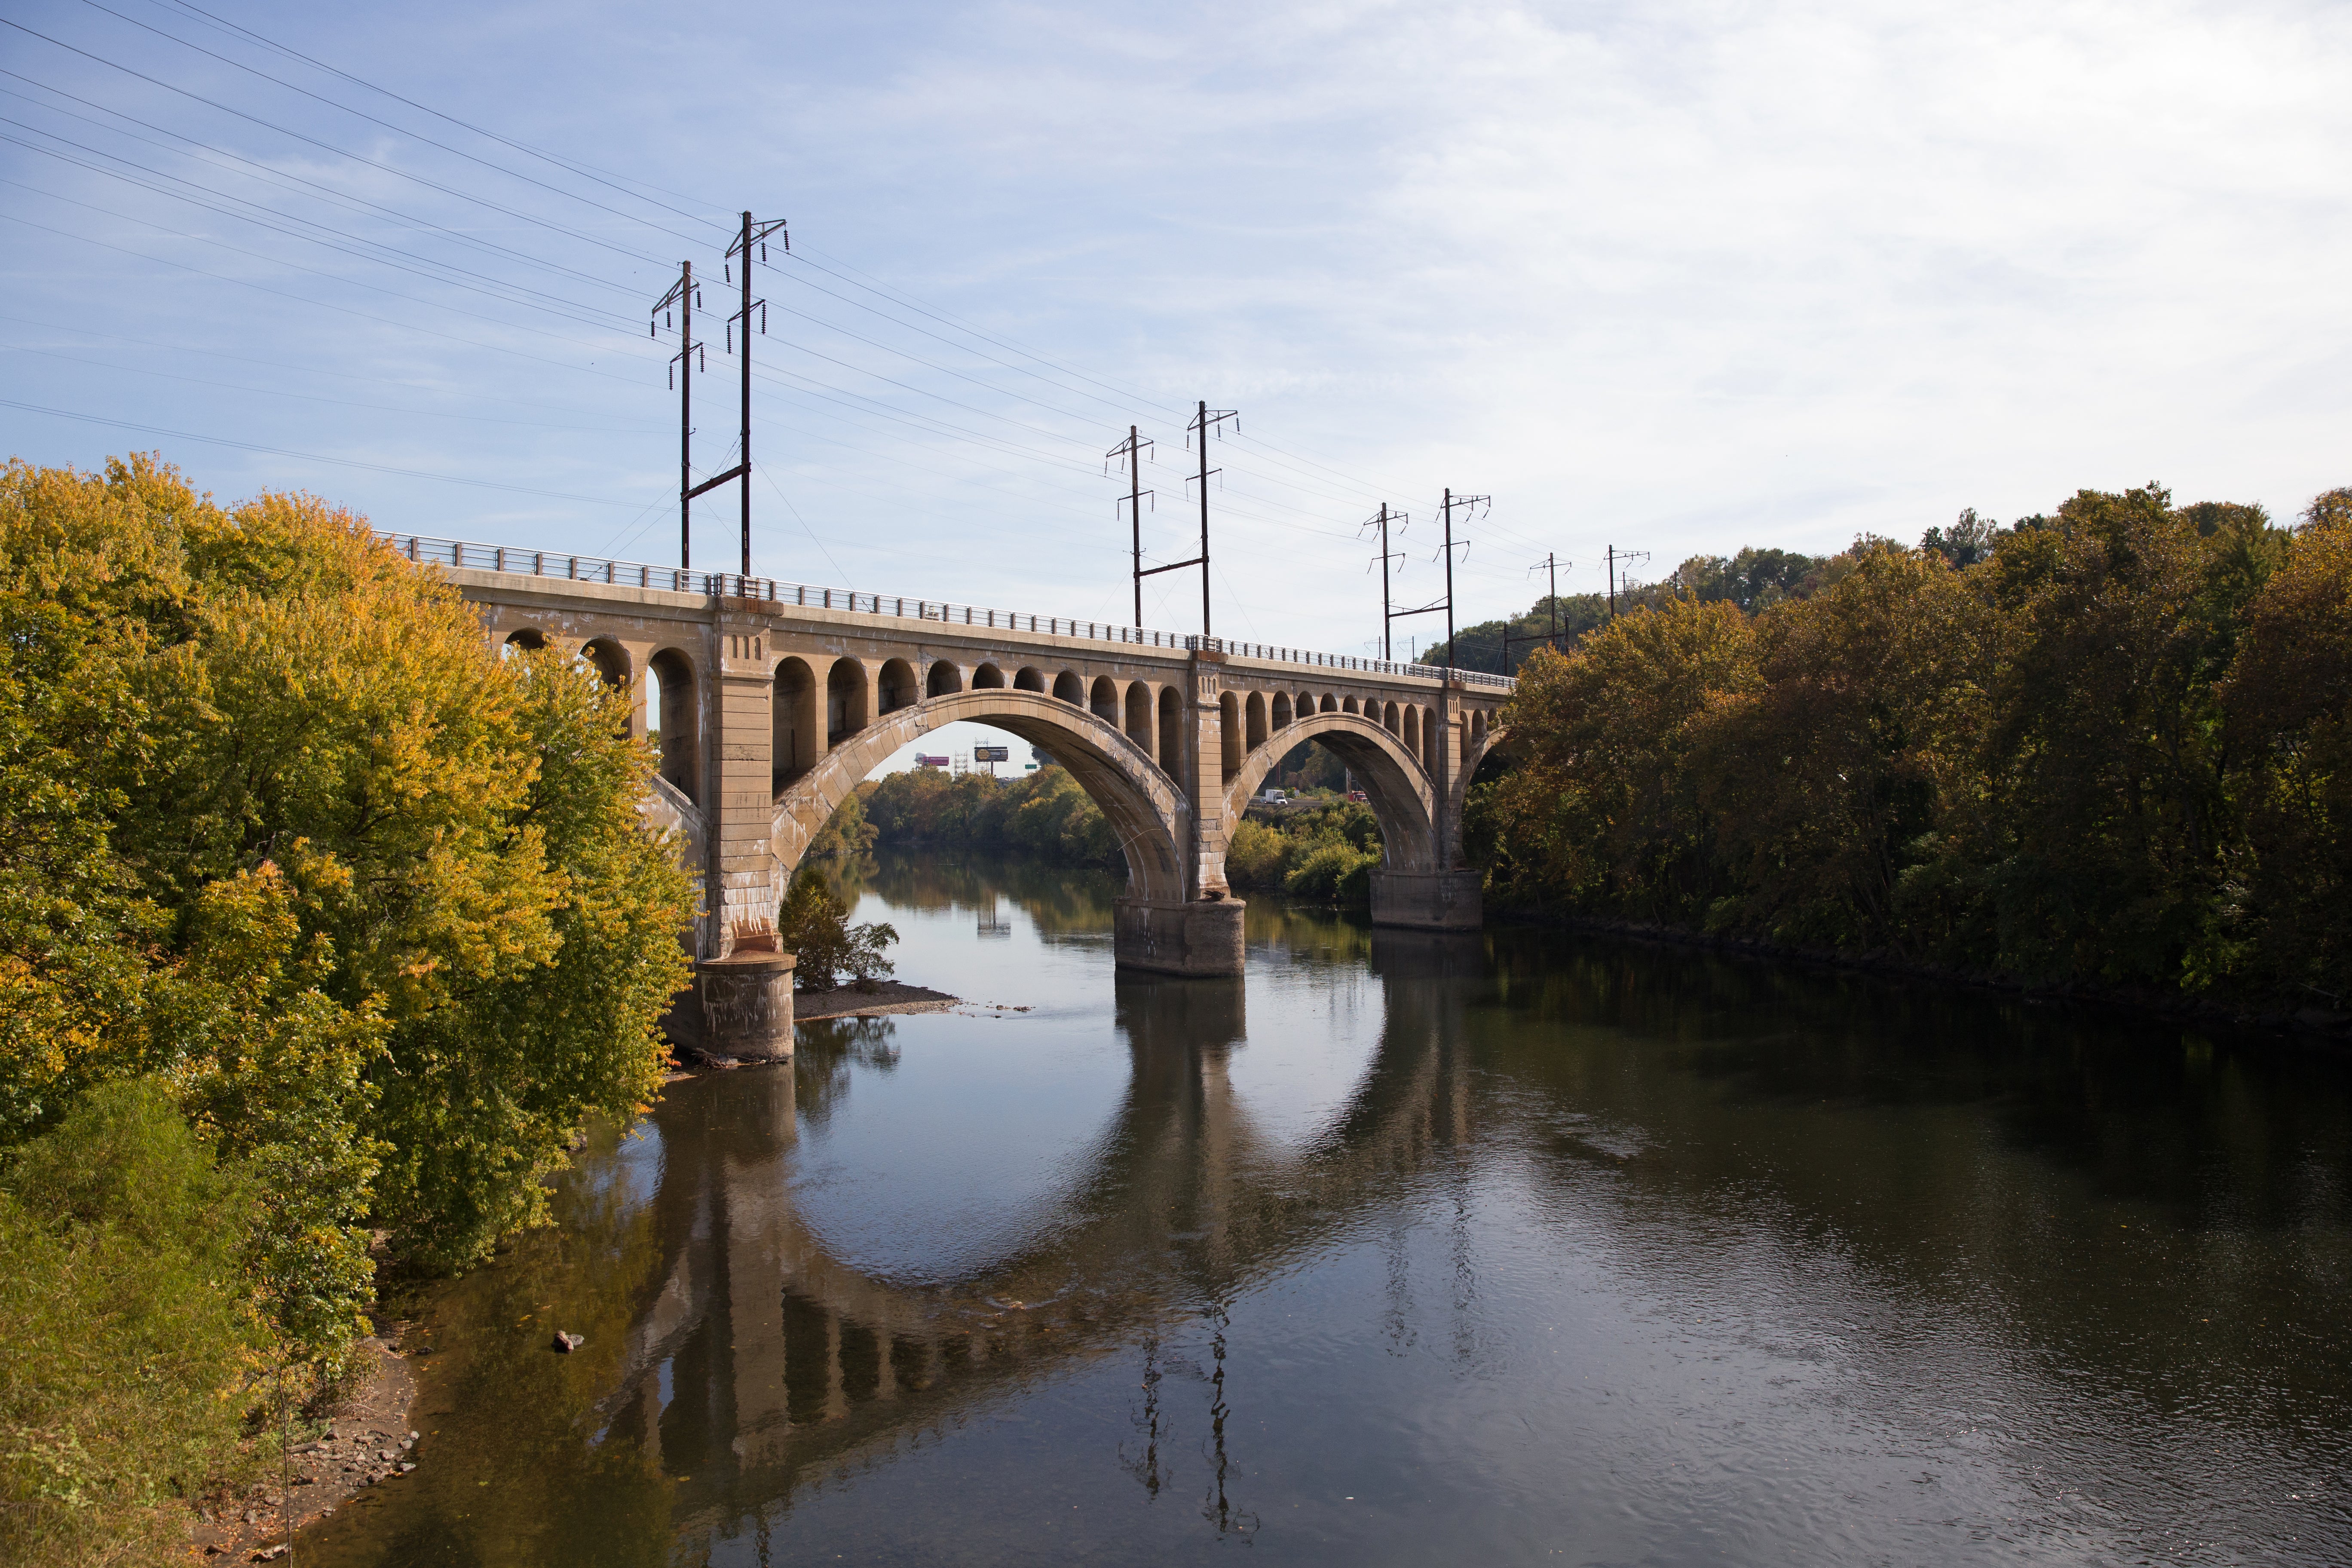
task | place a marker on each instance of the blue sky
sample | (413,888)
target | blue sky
(1675,277)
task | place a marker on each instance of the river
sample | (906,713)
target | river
(1521,1246)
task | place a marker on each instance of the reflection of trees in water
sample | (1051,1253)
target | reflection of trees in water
(1899,1143)
(826,1055)
(1061,900)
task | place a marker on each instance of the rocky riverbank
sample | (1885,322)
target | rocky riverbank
(363,1439)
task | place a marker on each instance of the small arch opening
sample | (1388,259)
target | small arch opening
(1282,710)
(1029,680)
(1389,717)
(1229,730)
(1139,715)
(529,639)
(1330,704)
(1171,729)
(1349,706)
(797,738)
(987,677)
(1254,722)
(1069,689)
(945,680)
(844,700)
(609,660)
(1102,701)
(672,715)
(897,686)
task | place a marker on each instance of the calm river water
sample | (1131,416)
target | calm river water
(1516,1247)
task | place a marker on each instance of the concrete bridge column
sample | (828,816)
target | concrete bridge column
(744,986)
(1447,898)
(1201,933)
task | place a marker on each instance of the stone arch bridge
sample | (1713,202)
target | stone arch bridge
(772,700)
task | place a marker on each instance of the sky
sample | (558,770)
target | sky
(1669,279)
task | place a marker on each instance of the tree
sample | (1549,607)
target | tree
(1604,812)
(398,929)
(812,924)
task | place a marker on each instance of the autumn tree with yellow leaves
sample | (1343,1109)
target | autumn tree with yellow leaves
(282,840)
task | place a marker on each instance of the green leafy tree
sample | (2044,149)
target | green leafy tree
(814,925)
(132,1349)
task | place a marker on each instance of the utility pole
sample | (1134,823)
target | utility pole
(752,233)
(1388,609)
(1615,555)
(682,295)
(1453,500)
(1204,421)
(1550,562)
(1132,450)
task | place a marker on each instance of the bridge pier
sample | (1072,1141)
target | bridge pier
(1427,900)
(1170,936)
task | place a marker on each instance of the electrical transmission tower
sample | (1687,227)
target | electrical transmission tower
(752,233)
(1204,421)
(684,297)
(1132,450)
(1445,553)
(1388,608)
(1550,562)
(1615,555)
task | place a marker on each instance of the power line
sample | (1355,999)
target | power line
(307,457)
(388,125)
(585,170)
(331,147)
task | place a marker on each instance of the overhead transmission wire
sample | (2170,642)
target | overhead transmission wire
(496,288)
(615,347)
(306,457)
(306,299)
(386,124)
(280,177)
(895,297)
(586,171)
(340,152)
(495,207)
(372,380)
(339,402)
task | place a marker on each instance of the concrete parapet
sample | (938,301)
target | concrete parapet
(1428,901)
(1169,936)
(746,1004)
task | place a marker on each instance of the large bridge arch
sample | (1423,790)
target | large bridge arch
(1394,782)
(1146,810)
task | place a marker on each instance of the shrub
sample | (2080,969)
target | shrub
(814,925)
(1256,857)
(1333,872)
(132,1345)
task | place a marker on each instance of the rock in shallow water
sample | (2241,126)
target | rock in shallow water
(567,1344)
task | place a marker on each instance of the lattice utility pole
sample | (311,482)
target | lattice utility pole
(683,296)
(1132,450)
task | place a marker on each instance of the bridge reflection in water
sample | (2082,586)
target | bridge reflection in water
(1527,1243)
(809,1364)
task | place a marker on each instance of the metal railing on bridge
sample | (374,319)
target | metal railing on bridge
(733,586)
